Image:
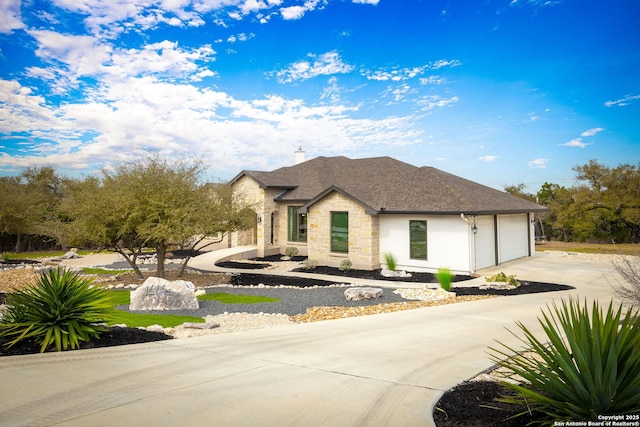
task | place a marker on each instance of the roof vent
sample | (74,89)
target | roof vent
(299,156)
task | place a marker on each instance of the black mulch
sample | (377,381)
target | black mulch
(112,337)
(473,404)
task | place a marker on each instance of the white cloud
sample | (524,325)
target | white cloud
(177,119)
(293,12)
(326,64)
(576,142)
(373,2)
(400,74)
(539,163)
(487,158)
(10,17)
(297,12)
(431,102)
(591,132)
(622,102)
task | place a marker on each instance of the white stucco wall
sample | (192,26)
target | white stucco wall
(448,242)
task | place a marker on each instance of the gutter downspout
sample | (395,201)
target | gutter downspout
(472,241)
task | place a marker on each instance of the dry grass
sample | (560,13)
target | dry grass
(590,248)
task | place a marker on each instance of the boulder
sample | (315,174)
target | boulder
(71,254)
(358,294)
(160,294)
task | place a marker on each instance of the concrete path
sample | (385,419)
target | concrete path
(383,370)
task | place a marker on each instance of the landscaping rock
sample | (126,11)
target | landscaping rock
(394,273)
(358,294)
(160,294)
(193,325)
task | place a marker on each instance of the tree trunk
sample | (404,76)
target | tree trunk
(161,252)
(131,261)
(18,243)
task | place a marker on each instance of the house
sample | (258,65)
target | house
(336,208)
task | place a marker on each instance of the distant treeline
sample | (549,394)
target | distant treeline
(603,207)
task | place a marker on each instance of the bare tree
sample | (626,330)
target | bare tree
(629,268)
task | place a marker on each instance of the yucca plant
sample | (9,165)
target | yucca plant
(61,308)
(587,365)
(445,278)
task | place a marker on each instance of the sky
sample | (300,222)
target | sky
(501,92)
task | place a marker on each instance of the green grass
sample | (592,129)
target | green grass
(135,320)
(590,248)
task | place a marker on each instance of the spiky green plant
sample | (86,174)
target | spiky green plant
(587,365)
(61,308)
(391,262)
(445,278)
(6,256)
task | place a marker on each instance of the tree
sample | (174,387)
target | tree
(153,203)
(28,202)
(608,202)
(518,191)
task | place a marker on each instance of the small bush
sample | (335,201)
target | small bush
(6,256)
(309,264)
(501,277)
(290,251)
(61,308)
(390,260)
(445,277)
(345,265)
(587,365)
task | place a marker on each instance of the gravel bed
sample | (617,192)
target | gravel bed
(293,301)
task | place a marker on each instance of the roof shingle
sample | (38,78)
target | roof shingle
(383,184)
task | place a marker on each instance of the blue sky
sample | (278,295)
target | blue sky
(498,91)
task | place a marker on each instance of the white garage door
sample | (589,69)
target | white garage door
(513,235)
(485,242)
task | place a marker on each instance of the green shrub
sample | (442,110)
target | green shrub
(6,256)
(390,260)
(345,265)
(61,308)
(309,264)
(290,251)
(593,370)
(501,277)
(445,278)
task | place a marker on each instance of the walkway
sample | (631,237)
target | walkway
(383,370)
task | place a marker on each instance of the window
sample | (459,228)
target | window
(296,225)
(418,239)
(340,232)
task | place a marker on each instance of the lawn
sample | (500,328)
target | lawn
(590,248)
(135,320)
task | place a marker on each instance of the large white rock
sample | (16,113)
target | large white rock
(357,294)
(160,294)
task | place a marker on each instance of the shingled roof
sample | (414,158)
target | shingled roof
(386,185)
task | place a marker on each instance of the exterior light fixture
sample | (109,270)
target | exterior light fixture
(474,228)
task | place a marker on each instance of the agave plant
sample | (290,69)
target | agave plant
(60,308)
(587,365)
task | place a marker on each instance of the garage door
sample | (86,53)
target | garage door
(485,242)
(513,235)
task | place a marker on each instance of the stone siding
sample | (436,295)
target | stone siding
(364,237)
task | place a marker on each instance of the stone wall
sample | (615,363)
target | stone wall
(262,203)
(364,237)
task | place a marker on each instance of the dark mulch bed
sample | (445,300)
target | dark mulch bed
(473,404)
(243,265)
(525,288)
(15,262)
(112,337)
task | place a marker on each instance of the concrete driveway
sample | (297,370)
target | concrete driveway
(383,370)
